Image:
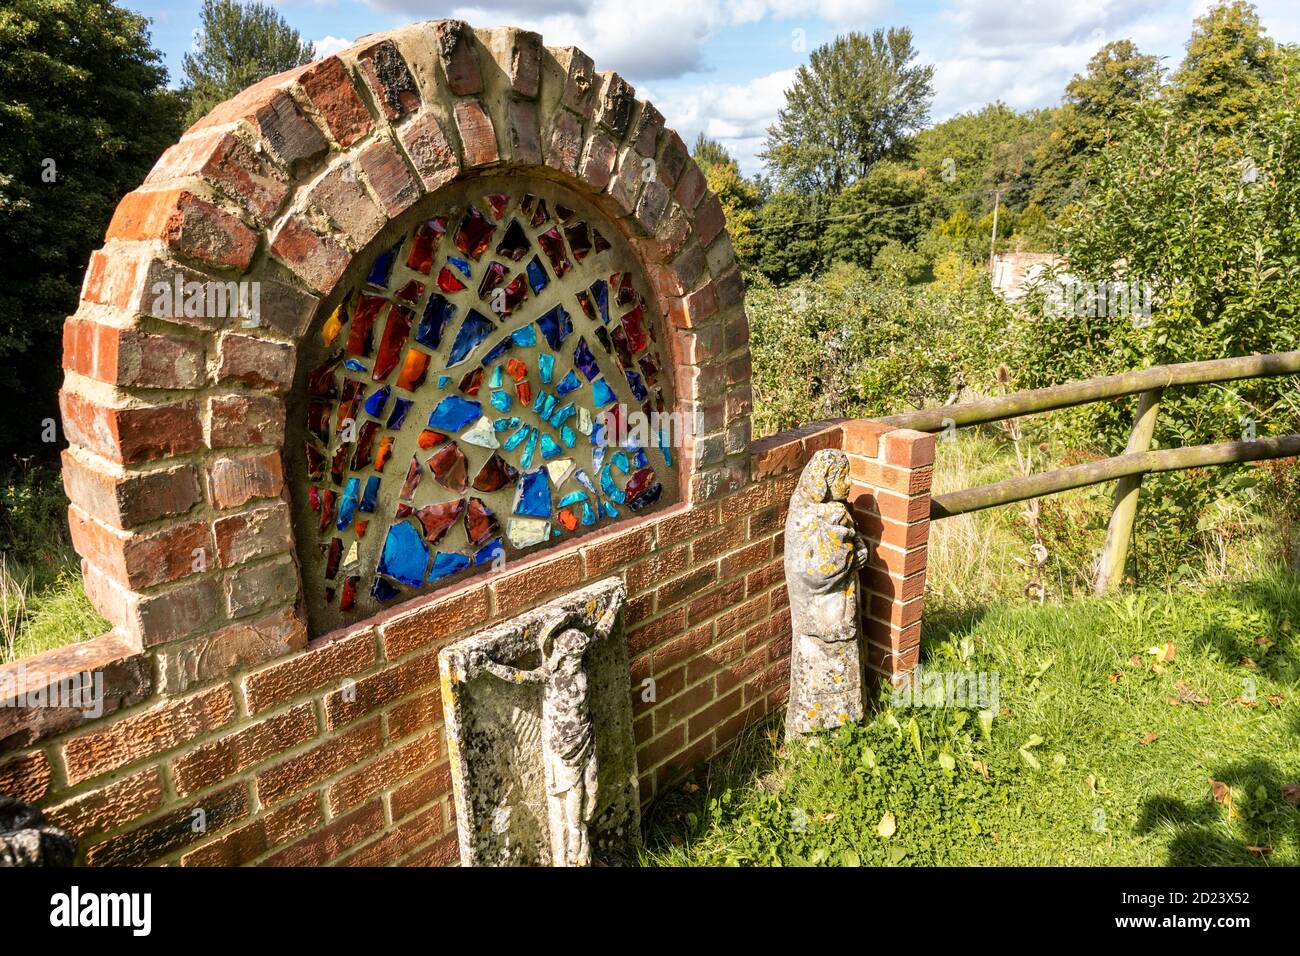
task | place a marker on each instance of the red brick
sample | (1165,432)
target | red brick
(233,648)
(213,762)
(392,767)
(378,690)
(240,171)
(329,89)
(109,807)
(236,481)
(250,589)
(514,592)
(255,362)
(610,552)
(257,533)
(862,437)
(902,480)
(661,748)
(683,705)
(145,733)
(433,622)
(308,671)
(247,843)
(141,560)
(426,144)
(318,260)
(442,852)
(134,434)
(331,841)
(477,136)
(658,566)
(726,538)
(389,79)
(683,587)
(414,715)
(187,223)
(132,357)
(296,774)
(909,449)
(658,630)
(432,785)
(714,601)
(26,777)
(131,498)
(239,421)
(173,830)
(389,176)
(710,717)
(392,845)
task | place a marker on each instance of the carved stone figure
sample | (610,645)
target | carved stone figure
(27,840)
(821,563)
(568,736)
(538,715)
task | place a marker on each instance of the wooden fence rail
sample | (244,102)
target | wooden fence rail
(1127,469)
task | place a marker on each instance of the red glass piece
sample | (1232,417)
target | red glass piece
(326,508)
(426,238)
(512,297)
(315,462)
(404,510)
(474,233)
(564,212)
(396,332)
(472,381)
(335,556)
(340,463)
(588,309)
(429,438)
(411,291)
(626,294)
(634,326)
(516,369)
(495,474)
(514,244)
(619,340)
(579,239)
(414,367)
(493,276)
(499,202)
(540,215)
(413,476)
(353,392)
(448,282)
(361,528)
(639,482)
(436,519)
(365,445)
(567,518)
(600,242)
(321,382)
(313,498)
(649,370)
(449,467)
(553,245)
(318,420)
(524,391)
(480,523)
(349,596)
(363,322)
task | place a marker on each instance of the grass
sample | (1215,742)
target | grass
(42,602)
(1158,727)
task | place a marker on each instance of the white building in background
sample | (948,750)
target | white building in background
(1014,271)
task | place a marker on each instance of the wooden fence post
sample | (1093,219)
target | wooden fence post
(1110,571)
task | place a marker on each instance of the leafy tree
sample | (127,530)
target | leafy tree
(739,197)
(239,45)
(789,230)
(891,202)
(969,155)
(1230,65)
(709,152)
(858,101)
(84,113)
(1118,77)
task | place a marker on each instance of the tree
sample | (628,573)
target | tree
(85,112)
(889,203)
(239,44)
(709,152)
(969,155)
(858,101)
(1229,67)
(789,231)
(739,197)
(1119,76)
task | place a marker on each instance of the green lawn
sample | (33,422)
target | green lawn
(1116,719)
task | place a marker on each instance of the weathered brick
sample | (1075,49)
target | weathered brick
(256,533)
(132,357)
(389,176)
(114,805)
(174,829)
(236,481)
(133,434)
(238,421)
(245,844)
(313,669)
(255,362)
(130,498)
(296,774)
(238,646)
(434,622)
(213,762)
(141,560)
(478,137)
(331,841)
(379,775)
(26,777)
(329,89)
(189,224)
(426,145)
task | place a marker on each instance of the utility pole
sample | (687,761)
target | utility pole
(993,240)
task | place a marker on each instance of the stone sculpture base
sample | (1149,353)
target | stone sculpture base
(495,738)
(825,685)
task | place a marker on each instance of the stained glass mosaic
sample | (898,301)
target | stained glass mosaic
(468,399)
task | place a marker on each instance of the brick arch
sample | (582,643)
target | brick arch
(176,421)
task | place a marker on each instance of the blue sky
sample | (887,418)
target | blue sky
(721,66)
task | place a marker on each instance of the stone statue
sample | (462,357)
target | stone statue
(27,840)
(568,736)
(821,565)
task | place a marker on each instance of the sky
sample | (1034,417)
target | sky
(721,66)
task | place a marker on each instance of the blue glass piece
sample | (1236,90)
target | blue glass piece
(568,436)
(585,481)
(437,313)
(572,498)
(500,400)
(538,401)
(537,277)
(556,326)
(588,515)
(585,361)
(524,336)
(497,377)
(405,554)
(376,402)
(597,456)
(602,394)
(501,424)
(383,267)
(598,434)
(639,459)
(460,264)
(445,563)
(562,415)
(454,413)
(443,380)
(397,417)
(489,552)
(549,447)
(548,404)
(600,292)
(665,450)
(513,441)
(496,351)
(352,365)
(610,510)
(348,503)
(472,332)
(638,387)
(384,590)
(546,365)
(533,498)
(612,491)
(619,458)
(370,497)
(530,449)
(567,384)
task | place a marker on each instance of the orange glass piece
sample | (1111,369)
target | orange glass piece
(414,368)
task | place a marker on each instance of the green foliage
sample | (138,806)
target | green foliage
(739,196)
(788,242)
(891,202)
(239,43)
(1229,67)
(970,155)
(85,113)
(859,100)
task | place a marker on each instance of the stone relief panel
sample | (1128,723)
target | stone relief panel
(539,729)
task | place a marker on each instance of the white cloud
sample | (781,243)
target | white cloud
(329,45)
